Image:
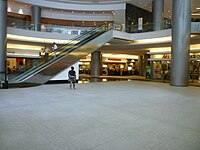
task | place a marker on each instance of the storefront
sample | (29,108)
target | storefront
(119,66)
(112,65)
(15,64)
(194,66)
(84,65)
(161,65)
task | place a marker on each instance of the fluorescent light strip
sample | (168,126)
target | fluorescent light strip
(168,49)
(38,40)
(24,47)
(120,56)
(195,14)
(155,40)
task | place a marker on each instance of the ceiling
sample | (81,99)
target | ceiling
(145,4)
(120,46)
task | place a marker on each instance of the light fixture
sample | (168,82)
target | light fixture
(20,11)
(9,9)
(34,39)
(197,8)
(195,14)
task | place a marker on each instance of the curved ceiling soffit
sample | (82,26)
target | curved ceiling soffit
(75,6)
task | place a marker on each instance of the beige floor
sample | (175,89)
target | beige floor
(119,115)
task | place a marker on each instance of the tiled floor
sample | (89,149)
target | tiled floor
(118,115)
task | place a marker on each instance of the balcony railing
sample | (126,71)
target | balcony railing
(27,25)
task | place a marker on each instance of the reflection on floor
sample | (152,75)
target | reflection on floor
(87,78)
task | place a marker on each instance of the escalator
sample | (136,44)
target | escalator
(39,72)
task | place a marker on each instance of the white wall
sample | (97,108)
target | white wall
(64,74)
(80,7)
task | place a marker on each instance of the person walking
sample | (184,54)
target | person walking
(72,78)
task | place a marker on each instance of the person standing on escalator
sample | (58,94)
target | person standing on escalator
(72,78)
(55,47)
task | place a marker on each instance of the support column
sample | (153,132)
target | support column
(158,10)
(3,38)
(140,65)
(36,17)
(146,63)
(95,65)
(181,29)
(152,69)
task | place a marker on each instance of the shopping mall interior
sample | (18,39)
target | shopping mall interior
(149,48)
(137,45)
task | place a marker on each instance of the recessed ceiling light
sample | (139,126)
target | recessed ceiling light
(169,11)
(197,8)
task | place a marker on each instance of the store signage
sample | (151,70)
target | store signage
(166,56)
(140,23)
(114,59)
(18,59)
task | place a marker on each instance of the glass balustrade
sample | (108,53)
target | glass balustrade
(27,25)
(167,24)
